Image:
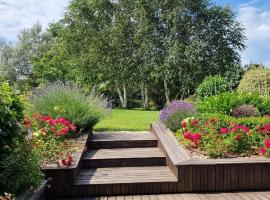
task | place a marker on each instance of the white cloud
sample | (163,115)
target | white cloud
(18,14)
(257,24)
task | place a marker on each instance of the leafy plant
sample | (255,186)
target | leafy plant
(256,80)
(212,85)
(220,137)
(20,169)
(67,100)
(245,111)
(225,102)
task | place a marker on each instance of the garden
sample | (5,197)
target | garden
(43,128)
(223,123)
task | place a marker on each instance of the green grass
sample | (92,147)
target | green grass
(127,120)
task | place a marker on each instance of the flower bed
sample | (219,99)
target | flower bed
(225,137)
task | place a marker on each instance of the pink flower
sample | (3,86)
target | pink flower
(224,130)
(267,143)
(187,135)
(45,118)
(238,137)
(196,136)
(262,150)
(267,127)
(73,127)
(65,130)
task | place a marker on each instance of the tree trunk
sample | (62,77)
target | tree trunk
(122,96)
(146,99)
(125,97)
(167,92)
(142,93)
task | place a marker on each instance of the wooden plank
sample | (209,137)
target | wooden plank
(211,175)
(250,176)
(265,177)
(242,179)
(196,178)
(204,177)
(219,178)
(257,177)
(227,178)
(123,175)
(234,177)
(188,179)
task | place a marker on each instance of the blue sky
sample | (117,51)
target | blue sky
(253,14)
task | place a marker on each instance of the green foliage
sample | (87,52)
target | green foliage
(256,80)
(19,165)
(245,111)
(11,114)
(19,168)
(173,122)
(220,136)
(225,102)
(212,85)
(58,100)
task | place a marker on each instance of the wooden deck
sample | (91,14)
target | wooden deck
(210,196)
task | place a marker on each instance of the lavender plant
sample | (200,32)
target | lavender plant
(173,114)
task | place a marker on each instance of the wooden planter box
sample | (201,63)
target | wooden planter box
(62,177)
(211,175)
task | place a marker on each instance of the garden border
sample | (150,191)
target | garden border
(60,177)
(211,175)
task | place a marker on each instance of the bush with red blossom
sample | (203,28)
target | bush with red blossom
(219,138)
(46,126)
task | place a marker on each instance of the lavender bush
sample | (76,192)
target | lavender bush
(173,114)
(174,107)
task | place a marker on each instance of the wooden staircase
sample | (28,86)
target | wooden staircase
(123,163)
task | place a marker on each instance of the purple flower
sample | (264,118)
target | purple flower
(175,106)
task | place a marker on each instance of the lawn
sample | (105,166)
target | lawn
(127,120)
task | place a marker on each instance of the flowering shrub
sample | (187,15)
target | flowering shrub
(59,99)
(46,126)
(173,114)
(220,138)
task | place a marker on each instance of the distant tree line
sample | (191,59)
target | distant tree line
(133,50)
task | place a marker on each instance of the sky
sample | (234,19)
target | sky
(253,14)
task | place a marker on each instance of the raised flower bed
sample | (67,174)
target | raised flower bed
(211,175)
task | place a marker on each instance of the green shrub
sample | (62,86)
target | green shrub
(173,122)
(245,111)
(225,102)
(67,100)
(219,136)
(11,114)
(20,169)
(212,85)
(256,80)
(19,165)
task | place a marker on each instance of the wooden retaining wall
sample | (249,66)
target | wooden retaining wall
(211,175)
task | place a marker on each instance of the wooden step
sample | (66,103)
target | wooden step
(110,140)
(124,180)
(124,157)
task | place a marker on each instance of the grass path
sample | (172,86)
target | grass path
(127,120)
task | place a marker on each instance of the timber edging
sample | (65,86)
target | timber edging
(64,176)
(211,175)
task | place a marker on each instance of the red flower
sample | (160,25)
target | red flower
(238,137)
(224,130)
(267,143)
(73,127)
(65,130)
(184,124)
(45,118)
(194,122)
(267,127)
(262,150)
(187,135)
